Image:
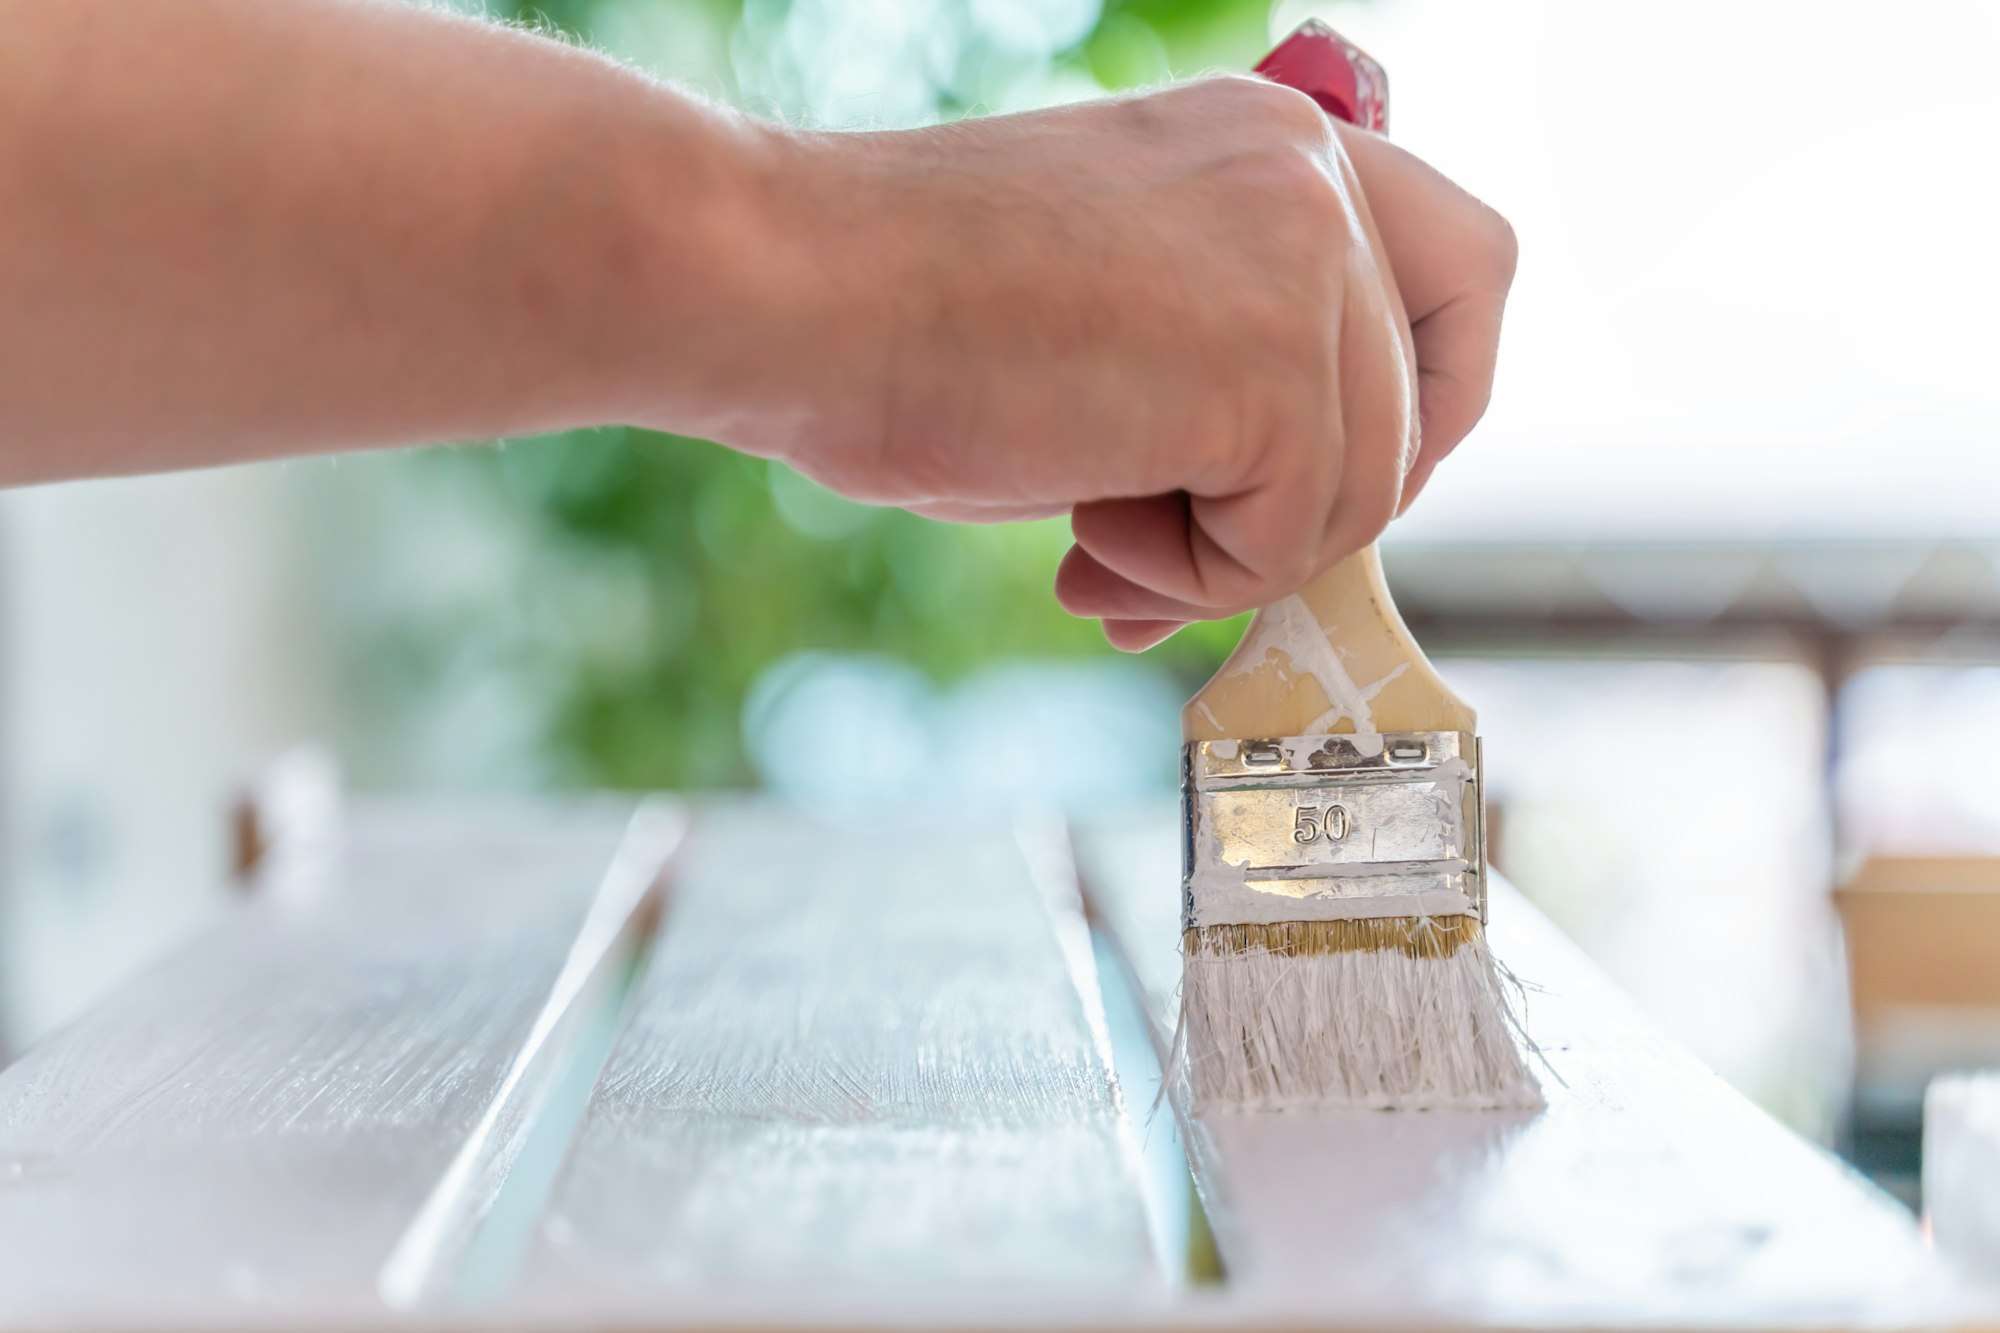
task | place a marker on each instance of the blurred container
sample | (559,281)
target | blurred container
(1962,1170)
(1923,948)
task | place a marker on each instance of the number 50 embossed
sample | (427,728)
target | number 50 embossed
(1310,823)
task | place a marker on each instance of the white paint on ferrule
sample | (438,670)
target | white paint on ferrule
(1238,900)
(1263,846)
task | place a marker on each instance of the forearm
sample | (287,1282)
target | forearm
(239,228)
(243,228)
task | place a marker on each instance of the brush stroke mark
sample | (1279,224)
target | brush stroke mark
(251,1123)
(859,1060)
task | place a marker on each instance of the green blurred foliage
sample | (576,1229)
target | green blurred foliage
(704,567)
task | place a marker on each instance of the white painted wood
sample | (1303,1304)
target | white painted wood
(433,1261)
(864,1073)
(865,1080)
(245,1131)
(1962,1170)
(1648,1191)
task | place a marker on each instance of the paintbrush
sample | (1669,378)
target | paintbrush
(1334,885)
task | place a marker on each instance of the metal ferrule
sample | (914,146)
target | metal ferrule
(1313,828)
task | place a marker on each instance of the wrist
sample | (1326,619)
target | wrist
(751,306)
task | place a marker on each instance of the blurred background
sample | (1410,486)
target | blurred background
(1721,570)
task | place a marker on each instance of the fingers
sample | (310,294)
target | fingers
(973,511)
(1154,545)
(1136,636)
(1312,496)
(1085,587)
(1162,552)
(1457,348)
(1454,260)
(1225,399)
(1378,378)
(1135,618)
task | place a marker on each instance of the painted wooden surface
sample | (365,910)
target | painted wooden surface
(1647,1191)
(861,1059)
(865,1075)
(252,1126)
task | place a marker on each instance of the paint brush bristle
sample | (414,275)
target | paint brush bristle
(1375,1012)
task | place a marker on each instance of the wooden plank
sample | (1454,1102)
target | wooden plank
(1648,1191)
(865,1068)
(866,1080)
(246,1131)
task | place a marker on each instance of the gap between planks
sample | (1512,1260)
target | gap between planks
(464,1243)
(1647,1193)
(1114,1006)
(250,1125)
(867,1069)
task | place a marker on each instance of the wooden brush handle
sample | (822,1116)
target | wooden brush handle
(1336,657)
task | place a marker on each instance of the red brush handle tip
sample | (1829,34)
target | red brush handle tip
(1334,72)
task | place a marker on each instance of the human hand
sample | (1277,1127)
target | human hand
(1173,316)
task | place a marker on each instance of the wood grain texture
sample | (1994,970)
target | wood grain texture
(244,1131)
(865,1081)
(1647,1192)
(861,1062)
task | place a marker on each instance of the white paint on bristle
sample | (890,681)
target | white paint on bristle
(1377,1029)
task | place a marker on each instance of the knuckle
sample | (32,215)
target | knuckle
(1218,455)
(1286,110)
(1317,203)
(1304,563)
(1146,115)
(1369,512)
(1234,578)
(1314,219)
(1233,85)
(1298,114)
(1293,544)
(1476,400)
(1258,585)
(1500,247)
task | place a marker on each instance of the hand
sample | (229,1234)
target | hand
(1172,316)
